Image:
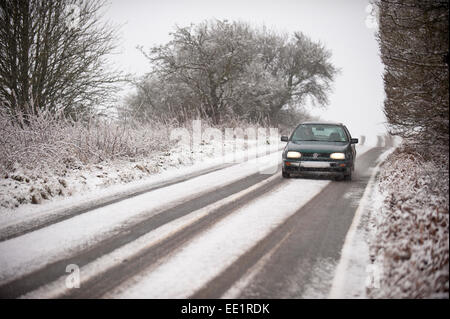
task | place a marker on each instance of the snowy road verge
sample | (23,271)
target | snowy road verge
(30,217)
(409,244)
(141,245)
(34,250)
(351,273)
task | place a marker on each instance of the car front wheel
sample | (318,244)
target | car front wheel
(286,175)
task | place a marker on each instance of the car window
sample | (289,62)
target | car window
(320,132)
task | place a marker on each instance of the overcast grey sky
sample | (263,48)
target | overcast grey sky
(358,94)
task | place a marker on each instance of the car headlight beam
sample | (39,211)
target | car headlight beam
(337,156)
(293,154)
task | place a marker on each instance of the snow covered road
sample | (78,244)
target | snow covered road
(198,237)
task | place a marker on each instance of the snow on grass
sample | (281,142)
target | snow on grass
(93,183)
(199,261)
(351,274)
(409,243)
(260,217)
(34,250)
(38,160)
(23,186)
(58,288)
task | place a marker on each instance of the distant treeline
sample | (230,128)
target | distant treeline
(54,54)
(220,70)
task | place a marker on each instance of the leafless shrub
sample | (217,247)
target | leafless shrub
(412,238)
(414,43)
(49,139)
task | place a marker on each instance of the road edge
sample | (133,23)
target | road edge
(341,274)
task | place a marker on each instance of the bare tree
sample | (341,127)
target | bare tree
(304,68)
(205,58)
(228,69)
(53,55)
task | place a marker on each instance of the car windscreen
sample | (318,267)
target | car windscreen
(319,133)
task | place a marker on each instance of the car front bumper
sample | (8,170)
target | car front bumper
(328,167)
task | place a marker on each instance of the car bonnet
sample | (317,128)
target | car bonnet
(317,147)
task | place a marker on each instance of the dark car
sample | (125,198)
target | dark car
(320,148)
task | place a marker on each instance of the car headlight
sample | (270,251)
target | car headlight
(337,156)
(292,154)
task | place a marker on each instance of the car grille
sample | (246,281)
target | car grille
(294,169)
(319,156)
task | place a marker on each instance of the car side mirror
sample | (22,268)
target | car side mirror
(354,141)
(284,139)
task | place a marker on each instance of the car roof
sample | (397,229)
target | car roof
(326,123)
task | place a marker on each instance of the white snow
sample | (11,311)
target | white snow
(221,245)
(399,246)
(352,271)
(94,193)
(31,251)
(321,279)
(409,237)
(34,250)
(71,186)
(235,290)
(103,263)
(207,255)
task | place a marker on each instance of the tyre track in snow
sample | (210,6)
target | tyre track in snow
(16,230)
(115,275)
(102,284)
(53,271)
(60,214)
(314,233)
